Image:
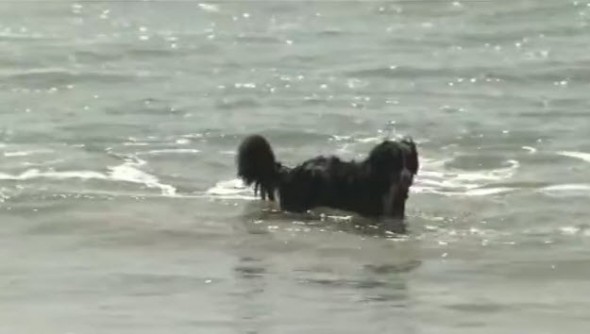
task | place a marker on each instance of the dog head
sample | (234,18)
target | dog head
(392,166)
(395,161)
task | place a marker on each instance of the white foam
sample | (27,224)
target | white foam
(3,195)
(530,149)
(345,149)
(209,7)
(370,140)
(171,151)
(576,155)
(488,191)
(129,172)
(231,189)
(340,138)
(136,144)
(570,230)
(42,163)
(126,172)
(567,190)
(37,174)
(435,180)
(469,192)
(24,153)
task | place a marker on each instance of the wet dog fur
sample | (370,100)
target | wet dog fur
(375,187)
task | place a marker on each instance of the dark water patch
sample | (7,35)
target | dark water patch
(259,39)
(405,72)
(478,308)
(478,162)
(61,77)
(393,268)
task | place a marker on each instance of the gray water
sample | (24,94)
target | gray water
(120,211)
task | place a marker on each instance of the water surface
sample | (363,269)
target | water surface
(120,211)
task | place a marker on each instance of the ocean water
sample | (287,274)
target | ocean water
(119,207)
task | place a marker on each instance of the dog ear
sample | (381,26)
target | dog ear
(412,158)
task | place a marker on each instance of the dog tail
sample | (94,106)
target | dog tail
(257,165)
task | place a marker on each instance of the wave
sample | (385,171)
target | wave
(170,151)
(25,153)
(126,172)
(567,190)
(576,155)
(438,178)
(54,77)
(435,177)
(231,189)
(448,183)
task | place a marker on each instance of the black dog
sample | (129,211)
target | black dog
(375,187)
